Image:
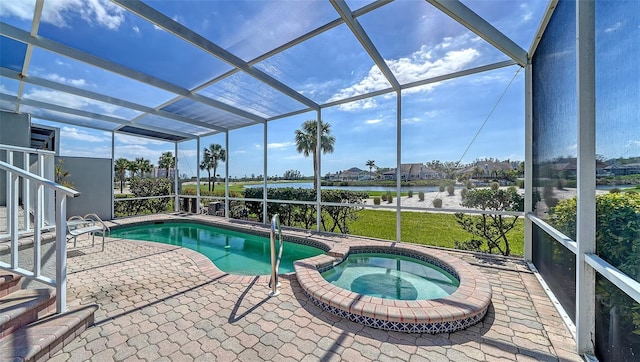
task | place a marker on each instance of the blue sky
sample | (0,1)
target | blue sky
(439,120)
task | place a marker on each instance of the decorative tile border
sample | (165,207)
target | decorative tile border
(465,307)
(407,327)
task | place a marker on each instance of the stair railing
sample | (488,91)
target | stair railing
(275,261)
(41,163)
(14,174)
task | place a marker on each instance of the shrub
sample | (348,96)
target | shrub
(389,198)
(376,200)
(491,228)
(441,188)
(384,197)
(468,184)
(145,187)
(437,203)
(521,184)
(463,193)
(560,184)
(451,190)
(614,190)
(410,193)
(617,242)
(421,195)
(495,186)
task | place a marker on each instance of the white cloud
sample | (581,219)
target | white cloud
(279,145)
(613,27)
(19,9)
(132,152)
(60,79)
(95,12)
(373,121)
(76,134)
(69,100)
(133,140)
(451,55)
(136,29)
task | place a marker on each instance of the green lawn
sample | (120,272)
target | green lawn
(437,229)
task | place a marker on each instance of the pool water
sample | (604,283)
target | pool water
(391,276)
(231,251)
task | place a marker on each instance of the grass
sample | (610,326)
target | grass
(435,229)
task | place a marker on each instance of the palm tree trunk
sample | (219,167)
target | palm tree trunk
(214,178)
(209,173)
(315,171)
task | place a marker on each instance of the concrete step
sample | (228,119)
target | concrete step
(24,307)
(9,283)
(40,340)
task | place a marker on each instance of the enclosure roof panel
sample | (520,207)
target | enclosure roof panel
(180,70)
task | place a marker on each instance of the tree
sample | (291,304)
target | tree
(371,164)
(490,227)
(133,167)
(121,166)
(212,155)
(167,161)
(292,175)
(143,165)
(306,142)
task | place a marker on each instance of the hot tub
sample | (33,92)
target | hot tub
(464,306)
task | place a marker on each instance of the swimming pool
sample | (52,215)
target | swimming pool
(392,277)
(231,251)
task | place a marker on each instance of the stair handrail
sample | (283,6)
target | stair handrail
(275,261)
(61,194)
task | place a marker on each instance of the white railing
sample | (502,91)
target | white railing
(38,162)
(14,174)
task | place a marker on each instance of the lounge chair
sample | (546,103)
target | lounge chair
(89,224)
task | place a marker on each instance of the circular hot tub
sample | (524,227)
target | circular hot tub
(398,287)
(392,276)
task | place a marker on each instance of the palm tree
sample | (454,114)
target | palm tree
(144,166)
(306,141)
(133,167)
(167,161)
(371,164)
(121,165)
(212,155)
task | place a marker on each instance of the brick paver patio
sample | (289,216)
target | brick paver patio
(156,304)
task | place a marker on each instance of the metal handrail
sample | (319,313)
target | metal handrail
(275,261)
(61,194)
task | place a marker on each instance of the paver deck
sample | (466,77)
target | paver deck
(157,303)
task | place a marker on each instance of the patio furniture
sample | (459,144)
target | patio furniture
(89,224)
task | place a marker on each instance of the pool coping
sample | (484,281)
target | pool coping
(465,307)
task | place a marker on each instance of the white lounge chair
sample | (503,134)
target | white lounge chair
(89,224)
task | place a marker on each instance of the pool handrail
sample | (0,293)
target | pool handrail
(275,261)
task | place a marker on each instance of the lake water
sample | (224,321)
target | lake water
(309,185)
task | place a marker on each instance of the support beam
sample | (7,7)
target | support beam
(472,21)
(345,13)
(398,165)
(528,162)
(159,19)
(317,170)
(176,207)
(586,213)
(197,176)
(265,217)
